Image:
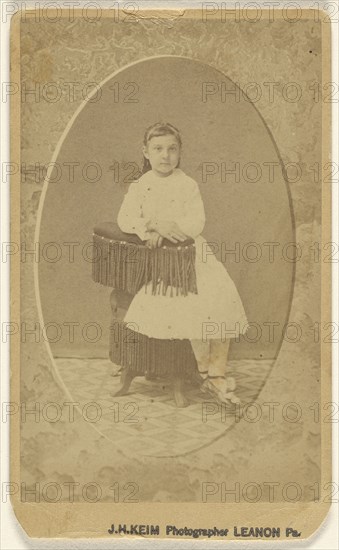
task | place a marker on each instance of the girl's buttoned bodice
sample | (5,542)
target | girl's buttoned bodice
(176,198)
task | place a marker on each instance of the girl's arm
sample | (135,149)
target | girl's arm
(193,221)
(130,217)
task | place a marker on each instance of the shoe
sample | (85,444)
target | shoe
(225,393)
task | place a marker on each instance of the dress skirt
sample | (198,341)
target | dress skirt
(216,311)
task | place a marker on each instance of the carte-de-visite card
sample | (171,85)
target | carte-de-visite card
(171,256)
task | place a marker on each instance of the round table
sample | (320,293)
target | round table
(123,262)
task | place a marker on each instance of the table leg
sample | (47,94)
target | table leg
(125,382)
(178,388)
(120,301)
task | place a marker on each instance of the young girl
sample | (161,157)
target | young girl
(166,203)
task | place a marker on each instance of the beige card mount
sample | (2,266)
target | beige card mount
(171,274)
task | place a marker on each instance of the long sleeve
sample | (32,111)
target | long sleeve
(130,217)
(192,222)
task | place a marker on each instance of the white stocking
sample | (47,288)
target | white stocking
(218,357)
(202,355)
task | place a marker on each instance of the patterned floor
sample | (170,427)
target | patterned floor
(146,420)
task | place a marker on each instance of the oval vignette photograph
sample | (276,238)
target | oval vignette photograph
(172,176)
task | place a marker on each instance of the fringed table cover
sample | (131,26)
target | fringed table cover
(124,262)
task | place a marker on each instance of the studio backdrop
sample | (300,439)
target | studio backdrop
(227,149)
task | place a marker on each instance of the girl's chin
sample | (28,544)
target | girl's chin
(163,171)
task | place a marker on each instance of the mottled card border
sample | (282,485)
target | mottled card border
(86,520)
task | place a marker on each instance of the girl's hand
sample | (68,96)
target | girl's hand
(155,240)
(169,230)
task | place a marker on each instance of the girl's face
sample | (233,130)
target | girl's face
(163,153)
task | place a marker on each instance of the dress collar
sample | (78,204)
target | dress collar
(150,176)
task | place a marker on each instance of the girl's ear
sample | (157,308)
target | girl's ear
(144,150)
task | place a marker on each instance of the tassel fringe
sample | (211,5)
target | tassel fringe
(127,266)
(143,355)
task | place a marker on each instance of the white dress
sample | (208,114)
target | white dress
(217,310)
